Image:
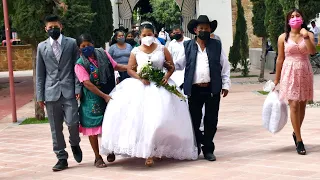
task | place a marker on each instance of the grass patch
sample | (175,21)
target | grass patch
(34,121)
(263,92)
(241,76)
(318,48)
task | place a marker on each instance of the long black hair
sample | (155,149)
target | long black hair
(84,37)
(114,37)
(288,17)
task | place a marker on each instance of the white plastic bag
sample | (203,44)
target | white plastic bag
(269,86)
(274,113)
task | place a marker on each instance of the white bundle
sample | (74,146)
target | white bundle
(274,113)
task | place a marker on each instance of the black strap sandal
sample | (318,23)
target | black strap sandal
(294,138)
(111,157)
(300,148)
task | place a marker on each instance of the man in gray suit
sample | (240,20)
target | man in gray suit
(58,89)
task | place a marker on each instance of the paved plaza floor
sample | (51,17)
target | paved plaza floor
(244,149)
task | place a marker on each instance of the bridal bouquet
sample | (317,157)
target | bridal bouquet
(147,72)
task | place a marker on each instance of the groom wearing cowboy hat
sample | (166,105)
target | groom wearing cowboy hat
(207,77)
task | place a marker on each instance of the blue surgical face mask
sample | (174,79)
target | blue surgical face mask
(87,51)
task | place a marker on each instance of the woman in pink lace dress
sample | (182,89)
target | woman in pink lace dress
(293,65)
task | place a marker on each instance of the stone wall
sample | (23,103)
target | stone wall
(254,41)
(21,57)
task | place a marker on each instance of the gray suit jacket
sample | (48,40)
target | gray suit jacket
(55,78)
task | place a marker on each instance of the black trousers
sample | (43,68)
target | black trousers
(199,97)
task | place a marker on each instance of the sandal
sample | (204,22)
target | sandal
(294,138)
(149,162)
(99,163)
(111,157)
(300,148)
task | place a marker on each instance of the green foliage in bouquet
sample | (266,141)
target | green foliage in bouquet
(156,75)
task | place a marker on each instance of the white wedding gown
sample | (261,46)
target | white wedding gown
(147,121)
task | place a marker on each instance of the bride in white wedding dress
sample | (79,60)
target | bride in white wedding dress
(143,120)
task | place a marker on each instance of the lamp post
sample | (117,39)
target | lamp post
(118,2)
(9,58)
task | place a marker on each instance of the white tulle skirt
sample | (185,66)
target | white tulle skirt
(147,121)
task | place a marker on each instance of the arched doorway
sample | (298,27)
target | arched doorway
(123,9)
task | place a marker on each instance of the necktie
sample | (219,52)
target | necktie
(56,50)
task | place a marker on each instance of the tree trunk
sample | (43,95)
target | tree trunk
(296,4)
(263,59)
(39,112)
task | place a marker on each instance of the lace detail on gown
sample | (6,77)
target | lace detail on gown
(296,81)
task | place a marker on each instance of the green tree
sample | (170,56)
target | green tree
(244,47)
(259,30)
(102,26)
(274,21)
(234,53)
(77,19)
(165,12)
(310,8)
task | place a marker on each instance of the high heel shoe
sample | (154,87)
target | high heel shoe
(149,162)
(294,138)
(300,148)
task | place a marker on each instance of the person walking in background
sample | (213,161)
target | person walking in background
(176,48)
(95,70)
(120,51)
(58,89)
(316,32)
(294,71)
(130,39)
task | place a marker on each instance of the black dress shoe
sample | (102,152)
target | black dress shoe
(61,165)
(210,157)
(77,153)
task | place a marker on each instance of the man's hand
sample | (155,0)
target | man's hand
(41,104)
(224,92)
(78,96)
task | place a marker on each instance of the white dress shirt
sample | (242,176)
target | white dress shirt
(202,71)
(175,48)
(315,31)
(59,40)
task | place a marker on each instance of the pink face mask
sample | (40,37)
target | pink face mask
(296,22)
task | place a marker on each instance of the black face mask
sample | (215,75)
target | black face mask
(54,33)
(132,42)
(177,36)
(204,35)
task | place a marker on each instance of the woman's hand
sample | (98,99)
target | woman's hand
(276,82)
(304,33)
(107,98)
(145,82)
(165,80)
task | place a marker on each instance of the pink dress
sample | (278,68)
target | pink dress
(83,75)
(296,81)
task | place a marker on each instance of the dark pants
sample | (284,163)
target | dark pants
(63,110)
(123,76)
(199,97)
(275,62)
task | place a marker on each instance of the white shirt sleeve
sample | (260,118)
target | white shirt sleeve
(180,62)
(225,72)
(316,31)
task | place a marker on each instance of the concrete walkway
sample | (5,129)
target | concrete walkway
(244,149)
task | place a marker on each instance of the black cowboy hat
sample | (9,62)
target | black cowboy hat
(121,28)
(202,19)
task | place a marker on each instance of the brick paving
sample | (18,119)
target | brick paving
(244,149)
